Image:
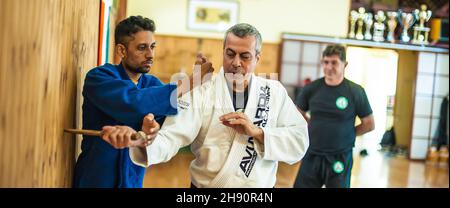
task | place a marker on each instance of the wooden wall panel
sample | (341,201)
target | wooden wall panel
(404,97)
(46,45)
(177,54)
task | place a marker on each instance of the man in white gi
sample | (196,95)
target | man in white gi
(239,125)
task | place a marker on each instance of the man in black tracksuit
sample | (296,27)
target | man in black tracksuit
(333,103)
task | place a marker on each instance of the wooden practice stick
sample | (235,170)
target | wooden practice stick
(135,136)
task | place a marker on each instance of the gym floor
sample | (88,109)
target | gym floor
(376,170)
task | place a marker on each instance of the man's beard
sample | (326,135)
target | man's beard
(142,70)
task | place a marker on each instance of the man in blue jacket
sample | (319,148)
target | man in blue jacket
(122,95)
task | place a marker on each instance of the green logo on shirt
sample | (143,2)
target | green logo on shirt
(342,103)
(338,167)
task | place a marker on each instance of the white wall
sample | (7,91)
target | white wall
(271,17)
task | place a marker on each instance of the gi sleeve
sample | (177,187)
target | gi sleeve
(177,131)
(288,141)
(126,103)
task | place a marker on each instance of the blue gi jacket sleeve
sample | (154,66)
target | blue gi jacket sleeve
(124,101)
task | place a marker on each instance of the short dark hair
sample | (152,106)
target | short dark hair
(243,30)
(336,49)
(128,27)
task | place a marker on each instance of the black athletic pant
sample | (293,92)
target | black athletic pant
(333,171)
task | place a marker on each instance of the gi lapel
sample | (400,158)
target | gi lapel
(223,97)
(242,148)
(247,161)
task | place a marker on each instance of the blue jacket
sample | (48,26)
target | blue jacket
(111,98)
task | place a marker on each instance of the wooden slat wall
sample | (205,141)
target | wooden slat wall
(176,54)
(46,45)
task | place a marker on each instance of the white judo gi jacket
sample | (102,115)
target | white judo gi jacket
(223,157)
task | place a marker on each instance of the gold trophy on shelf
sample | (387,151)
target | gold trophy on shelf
(407,20)
(368,21)
(420,31)
(379,27)
(392,24)
(353,19)
(361,16)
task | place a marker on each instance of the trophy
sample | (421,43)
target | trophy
(368,20)
(353,19)
(421,32)
(360,21)
(392,24)
(407,20)
(379,27)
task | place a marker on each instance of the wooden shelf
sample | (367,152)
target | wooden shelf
(364,43)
